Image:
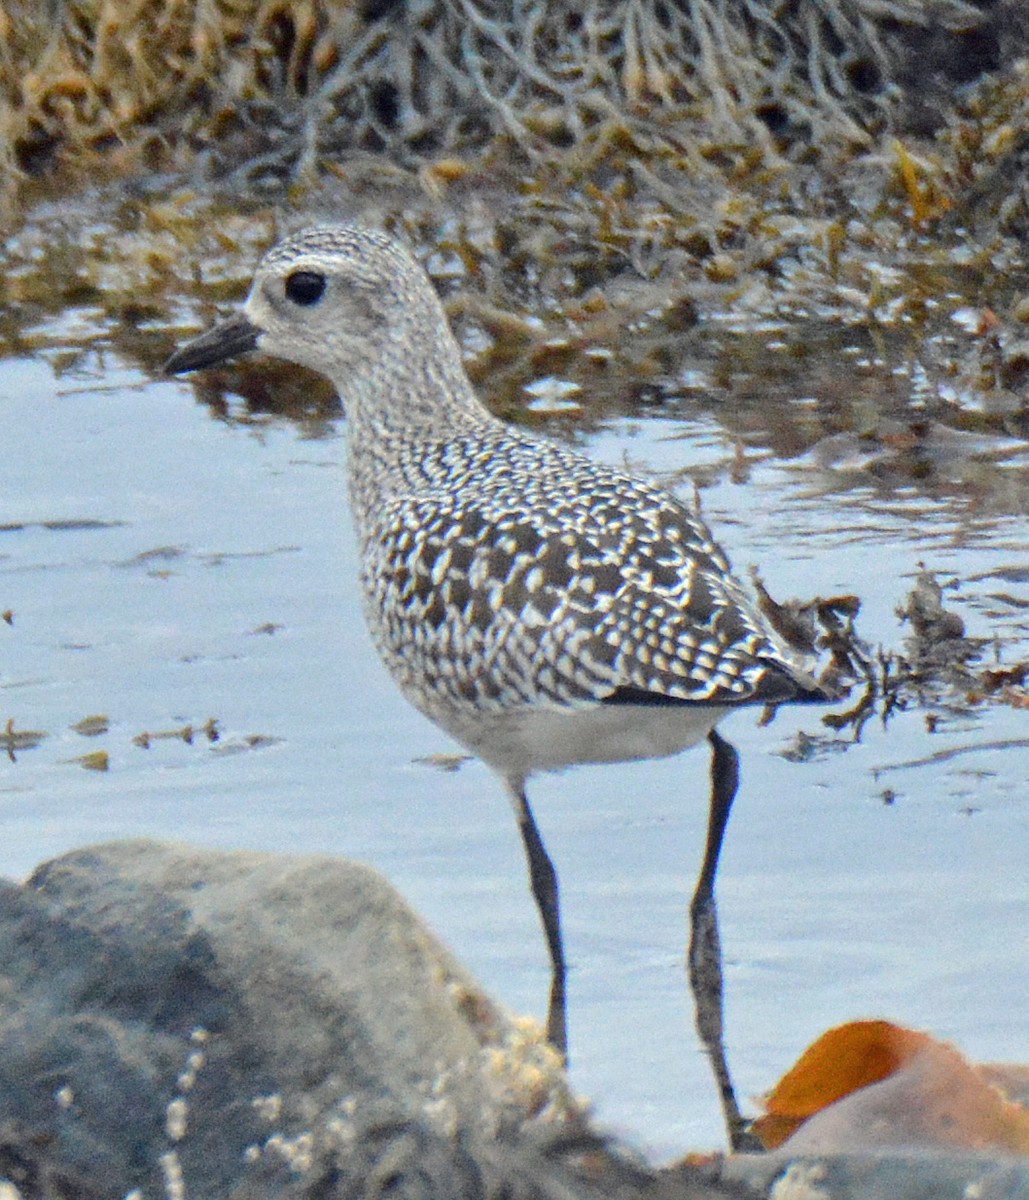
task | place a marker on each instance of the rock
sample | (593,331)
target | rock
(180,1021)
(871,1176)
(407,1161)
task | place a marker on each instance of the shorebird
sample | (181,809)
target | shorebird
(541,608)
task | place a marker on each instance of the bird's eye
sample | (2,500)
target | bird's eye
(305,287)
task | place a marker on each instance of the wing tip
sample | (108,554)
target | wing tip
(775,686)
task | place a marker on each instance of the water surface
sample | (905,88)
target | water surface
(166,564)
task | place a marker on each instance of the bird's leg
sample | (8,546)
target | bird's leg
(704,959)
(543,879)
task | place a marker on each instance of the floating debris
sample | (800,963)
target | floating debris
(240,745)
(98,760)
(60,525)
(12,739)
(185,733)
(159,554)
(443,762)
(92,726)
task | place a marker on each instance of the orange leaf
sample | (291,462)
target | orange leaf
(841,1061)
(871,1084)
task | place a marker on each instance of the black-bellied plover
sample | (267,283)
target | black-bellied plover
(543,609)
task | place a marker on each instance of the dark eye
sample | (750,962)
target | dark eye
(305,287)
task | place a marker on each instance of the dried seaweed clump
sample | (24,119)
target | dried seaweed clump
(290,81)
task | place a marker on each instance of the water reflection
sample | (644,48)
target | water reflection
(704,954)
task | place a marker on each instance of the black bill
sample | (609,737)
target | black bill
(222,341)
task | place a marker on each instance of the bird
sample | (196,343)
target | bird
(543,609)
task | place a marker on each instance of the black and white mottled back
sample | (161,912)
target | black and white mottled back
(542,608)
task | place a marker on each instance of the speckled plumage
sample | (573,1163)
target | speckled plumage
(542,608)
(503,571)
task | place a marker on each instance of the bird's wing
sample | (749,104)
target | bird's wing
(496,607)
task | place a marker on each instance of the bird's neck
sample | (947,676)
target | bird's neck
(416,387)
(412,405)
(398,413)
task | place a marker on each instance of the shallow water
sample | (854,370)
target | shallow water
(165,565)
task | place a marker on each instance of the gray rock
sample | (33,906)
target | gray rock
(168,1012)
(407,1161)
(882,1176)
